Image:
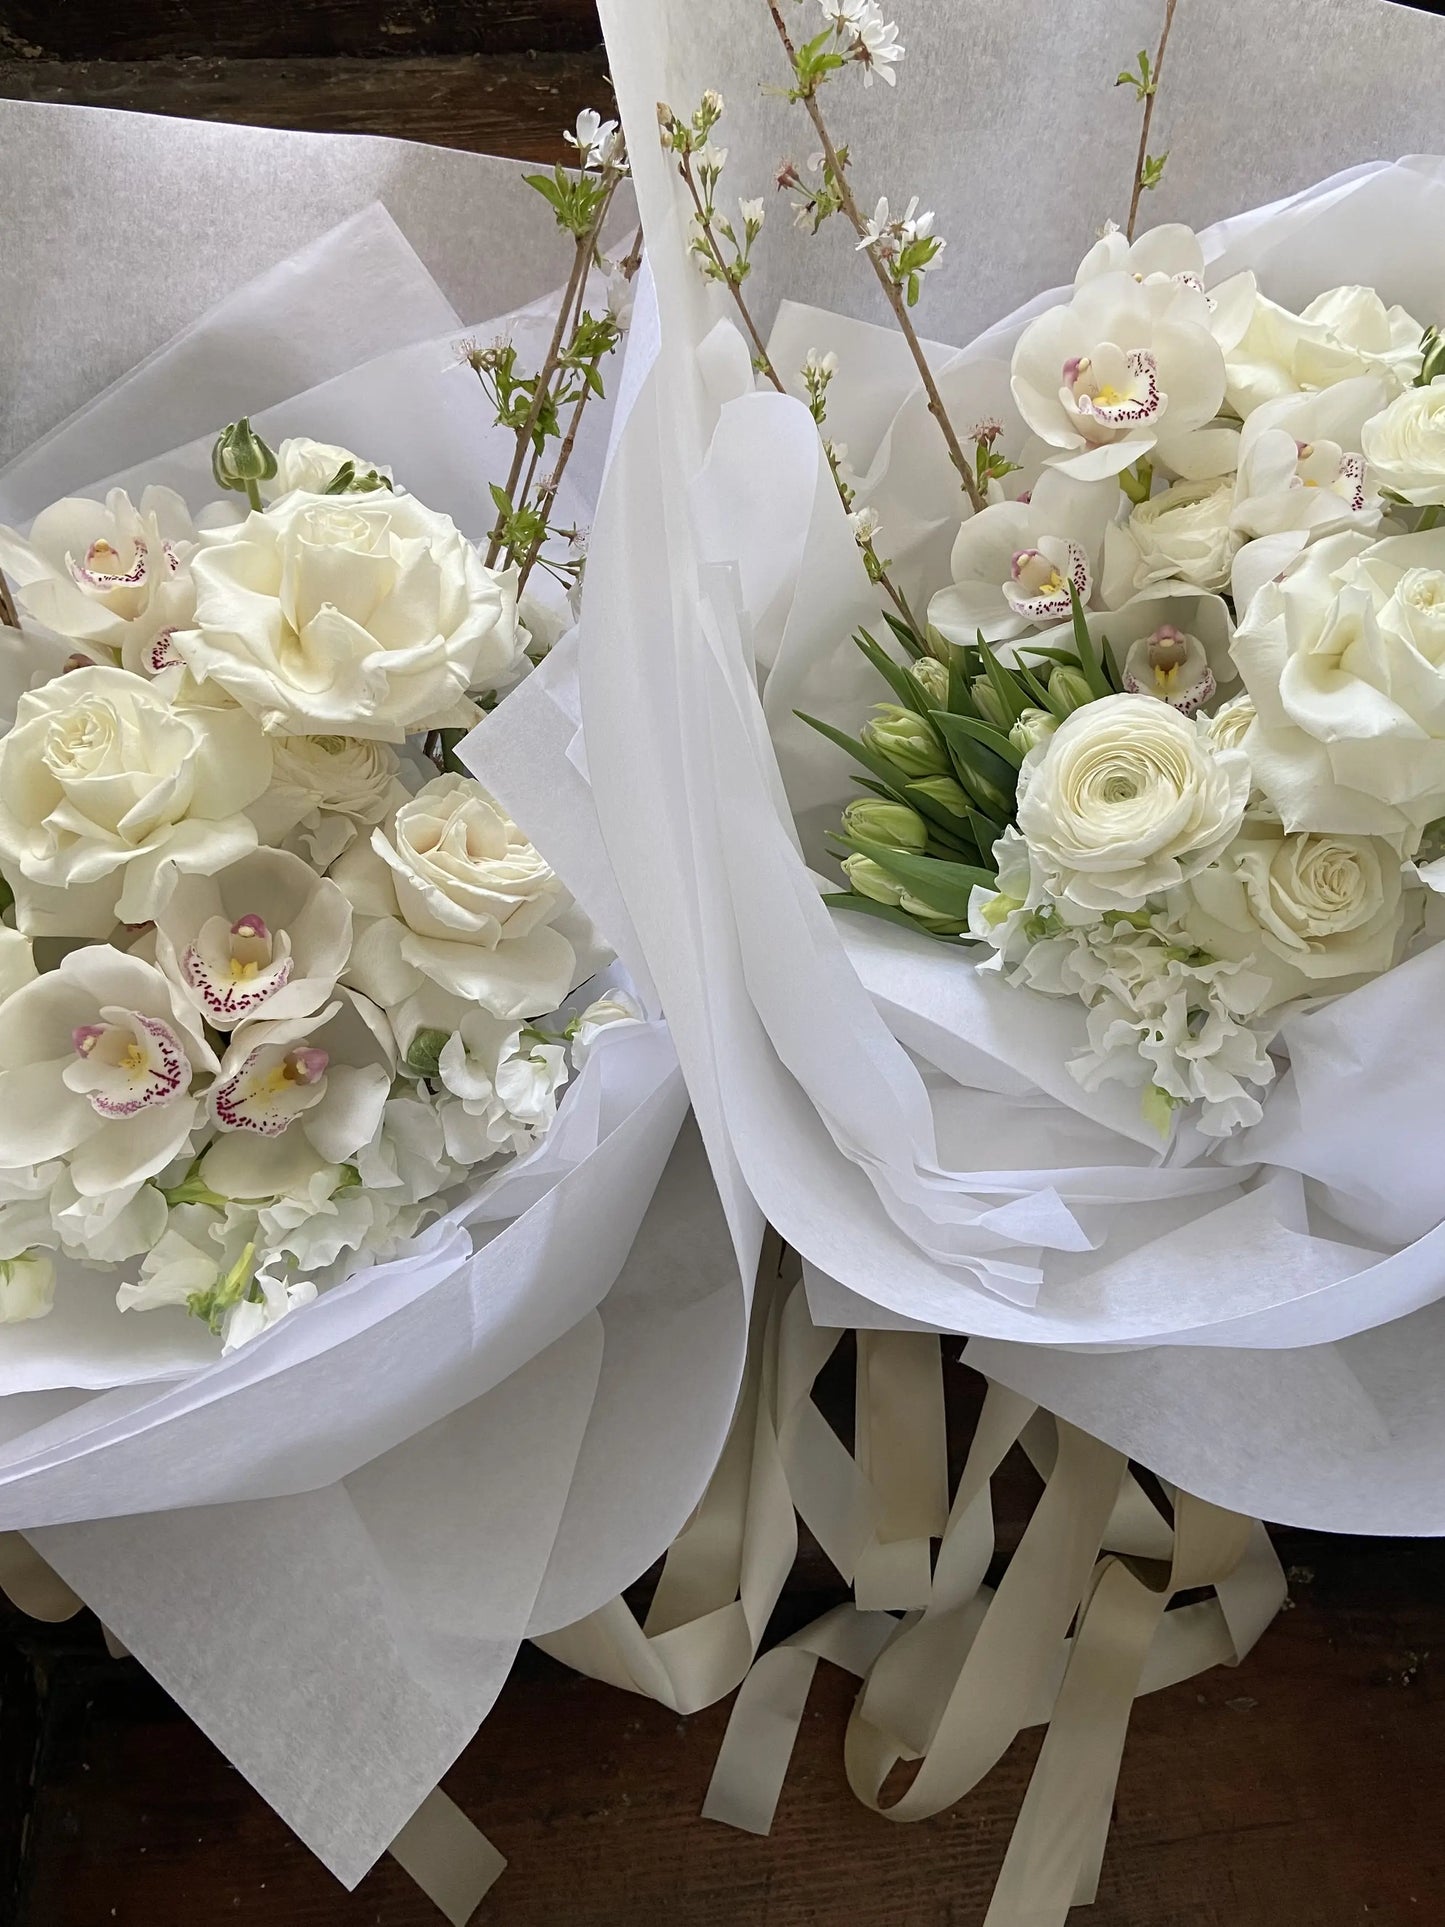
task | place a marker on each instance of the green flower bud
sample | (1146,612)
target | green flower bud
(932,678)
(424,1051)
(937,643)
(905,739)
(876,820)
(870,880)
(1035,726)
(946,793)
(989,703)
(1070,686)
(240,458)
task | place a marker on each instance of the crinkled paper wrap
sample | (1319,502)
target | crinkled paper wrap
(328,1545)
(852,1074)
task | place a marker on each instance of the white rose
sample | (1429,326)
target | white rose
(108,575)
(452,895)
(1125,800)
(1343,333)
(1183,534)
(1345,660)
(313,466)
(354,615)
(1315,913)
(1123,367)
(27,1287)
(1405,446)
(107,791)
(1230,724)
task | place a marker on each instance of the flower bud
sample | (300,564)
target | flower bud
(1035,726)
(1070,686)
(932,678)
(905,740)
(240,458)
(870,880)
(27,1286)
(988,703)
(946,793)
(876,820)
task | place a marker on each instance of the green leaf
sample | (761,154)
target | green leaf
(907,640)
(848,900)
(947,886)
(1089,660)
(860,752)
(894,674)
(501,501)
(1002,681)
(960,699)
(963,733)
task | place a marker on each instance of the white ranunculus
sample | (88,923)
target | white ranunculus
(501,1087)
(1013,562)
(311,467)
(1184,534)
(1405,444)
(1124,367)
(27,1287)
(451,895)
(1345,660)
(107,792)
(1126,800)
(97,1060)
(1230,724)
(324,788)
(1343,333)
(264,938)
(1315,913)
(605,1014)
(354,615)
(108,575)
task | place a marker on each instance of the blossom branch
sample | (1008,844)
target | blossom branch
(806,91)
(707,234)
(1147,168)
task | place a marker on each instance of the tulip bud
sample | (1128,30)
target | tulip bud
(1071,687)
(870,880)
(989,704)
(240,459)
(1035,726)
(27,1286)
(945,792)
(876,820)
(906,740)
(932,678)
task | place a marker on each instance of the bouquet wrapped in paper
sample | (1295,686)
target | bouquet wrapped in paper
(330,1269)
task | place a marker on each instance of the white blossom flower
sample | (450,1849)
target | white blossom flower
(753,213)
(597,141)
(614,1011)
(888,236)
(865,524)
(1013,562)
(502,1086)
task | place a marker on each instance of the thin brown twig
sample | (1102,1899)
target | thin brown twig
(893,293)
(8,616)
(761,359)
(1143,156)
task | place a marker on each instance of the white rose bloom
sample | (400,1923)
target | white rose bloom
(502,1088)
(1345,660)
(1183,534)
(606,1014)
(1230,724)
(97,1059)
(1315,913)
(106,792)
(1125,367)
(108,575)
(1405,445)
(1013,562)
(27,1287)
(451,895)
(312,467)
(1125,800)
(1343,333)
(354,615)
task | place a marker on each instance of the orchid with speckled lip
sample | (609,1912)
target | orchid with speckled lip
(1013,562)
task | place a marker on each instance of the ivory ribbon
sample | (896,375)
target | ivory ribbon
(449,1858)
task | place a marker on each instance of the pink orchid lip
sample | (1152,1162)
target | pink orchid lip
(89,576)
(1073,368)
(307,1064)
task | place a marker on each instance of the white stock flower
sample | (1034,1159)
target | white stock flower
(196,1248)
(1184,534)
(313,466)
(109,575)
(407,1160)
(27,1287)
(1315,913)
(108,1227)
(1405,445)
(1345,660)
(355,615)
(1124,367)
(607,1013)
(264,938)
(501,1085)
(1343,333)
(1013,562)
(451,895)
(97,1059)
(107,791)
(1125,800)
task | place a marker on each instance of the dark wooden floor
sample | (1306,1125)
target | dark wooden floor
(1302,1790)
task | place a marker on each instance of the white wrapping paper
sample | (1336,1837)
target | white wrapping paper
(329,1544)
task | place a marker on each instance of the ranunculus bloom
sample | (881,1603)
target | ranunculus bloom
(1343,333)
(1183,534)
(351,615)
(107,792)
(1345,660)
(97,1059)
(1124,367)
(1315,913)
(452,895)
(108,575)
(1014,562)
(323,787)
(1405,445)
(1125,800)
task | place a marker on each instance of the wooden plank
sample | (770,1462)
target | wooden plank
(311,29)
(515,105)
